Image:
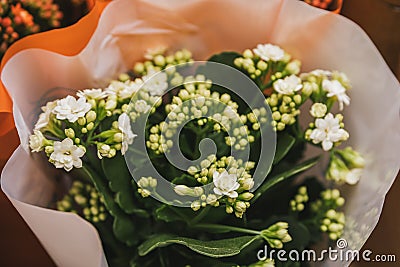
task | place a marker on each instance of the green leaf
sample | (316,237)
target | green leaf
(284,143)
(119,179)
(123,226)
(213,248)
(169,214)
(125,230)
(270,182)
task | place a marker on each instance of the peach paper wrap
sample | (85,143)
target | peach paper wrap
(127,28)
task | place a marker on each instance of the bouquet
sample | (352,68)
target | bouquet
(204,163)
(200,170)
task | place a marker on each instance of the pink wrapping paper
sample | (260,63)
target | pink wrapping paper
(127,28)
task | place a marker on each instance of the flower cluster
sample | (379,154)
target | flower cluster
(285,109)
(196,102)
(146,186)
(299,200)
(74,123)
(331,220)
(157,61)
(277,234)
(267,59)
(231,180)
(327,131)
(178,109)
(21,18)
(327,87)
(84,199)
(346,166)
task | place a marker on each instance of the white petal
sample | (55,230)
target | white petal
(327,145)
(232,194)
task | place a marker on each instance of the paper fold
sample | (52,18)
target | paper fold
(127,28)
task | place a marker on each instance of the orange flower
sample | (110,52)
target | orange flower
(24,15)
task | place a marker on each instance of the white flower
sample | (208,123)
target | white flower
(318,110)
(36,141)
(269,52)
(142,106)
(44,117)
(124,90)
(321,73)
(71,109)
(124,125)
(328,132)
(66,155)
(230,113)
(155,83)
(288,85)
(225,184)
(293,67)
(130,88)
(336,89)
(92,94)
(353,176)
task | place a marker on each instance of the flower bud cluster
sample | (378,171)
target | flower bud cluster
(264,59)
(277,234)
(345,166)
(157,60)
(84,200)
(285,109)
(237,200)
(146,186)
(250,63)
(299,200)
(327,86)
(331,221)
(195,102)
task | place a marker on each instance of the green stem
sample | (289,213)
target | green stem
(228,227)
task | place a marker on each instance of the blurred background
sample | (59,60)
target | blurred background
(379,18)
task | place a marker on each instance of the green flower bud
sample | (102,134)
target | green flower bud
(159,60)
(152,182)
(240,206)
(196,205)
(352,157)
(248,53)
(90,126)
(262,65)
(91,116)
(69,132)
(143,182)
(118,137)
(229,209)
(49,149)
(123,77)
(138,68)
(246,196)
(318,110)
(82,121)
(293,67)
